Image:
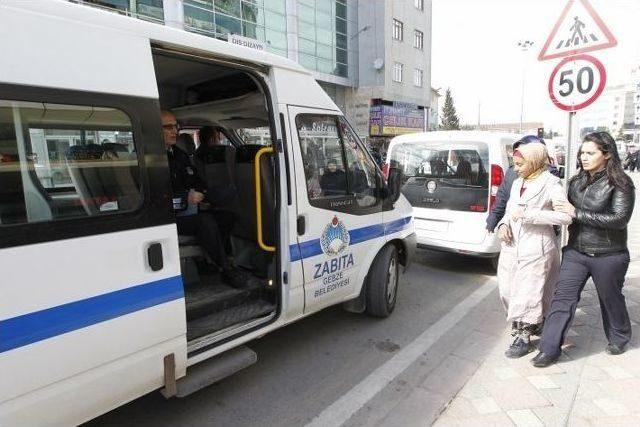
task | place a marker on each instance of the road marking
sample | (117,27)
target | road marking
(342,409)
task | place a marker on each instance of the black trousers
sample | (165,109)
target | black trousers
(205,228)
(608,275)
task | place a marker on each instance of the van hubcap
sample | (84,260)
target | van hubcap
(392,281)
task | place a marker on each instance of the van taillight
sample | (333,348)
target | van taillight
(385,170)
(497,176)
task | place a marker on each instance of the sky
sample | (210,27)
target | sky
(475,53)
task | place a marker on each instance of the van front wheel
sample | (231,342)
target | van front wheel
(382,283)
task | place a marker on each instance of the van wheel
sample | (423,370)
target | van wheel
(382,283)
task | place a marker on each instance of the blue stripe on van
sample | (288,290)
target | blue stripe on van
(40,325)
(359,235)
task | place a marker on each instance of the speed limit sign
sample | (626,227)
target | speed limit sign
(576,82)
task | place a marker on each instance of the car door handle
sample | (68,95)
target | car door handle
(154,256)
(301,225)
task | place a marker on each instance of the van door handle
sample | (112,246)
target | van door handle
(154,256)
(300,223)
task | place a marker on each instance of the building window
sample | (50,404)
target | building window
(418,40)
(397,72)
(418,75)
(419,4)
(398,30)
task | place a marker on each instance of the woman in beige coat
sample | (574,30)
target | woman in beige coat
(530,258)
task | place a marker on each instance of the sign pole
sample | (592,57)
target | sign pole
(569,167)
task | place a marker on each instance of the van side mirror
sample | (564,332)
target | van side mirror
(394,185)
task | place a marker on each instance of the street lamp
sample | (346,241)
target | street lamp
(524,46)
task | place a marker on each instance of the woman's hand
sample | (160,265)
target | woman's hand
(565,207)
(504,233)
(518,214)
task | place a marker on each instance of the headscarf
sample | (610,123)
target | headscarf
(536,159)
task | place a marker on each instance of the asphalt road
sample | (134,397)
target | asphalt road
(304,368)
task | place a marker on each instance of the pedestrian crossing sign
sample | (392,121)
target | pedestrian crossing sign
(579,29)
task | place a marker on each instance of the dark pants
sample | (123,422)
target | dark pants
(608,275)
(205,228)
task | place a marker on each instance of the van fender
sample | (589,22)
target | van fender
(357,302)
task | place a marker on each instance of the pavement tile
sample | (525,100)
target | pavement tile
(623,391)
(552,415)
(589,390)
(617,421)
(418,409)
(506,373)
(476,346)
(617,373)
(524,417)
(450,375)
(542,382)
(516,393)
(611,407)
(486,405)
(498,419)
(460,408)
(473,390)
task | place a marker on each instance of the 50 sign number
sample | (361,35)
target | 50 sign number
(576,82)
(565,79)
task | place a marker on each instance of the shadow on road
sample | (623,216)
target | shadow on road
(454,262)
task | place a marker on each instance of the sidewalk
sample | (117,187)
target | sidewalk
(585,387)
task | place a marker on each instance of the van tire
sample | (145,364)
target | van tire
(382,282)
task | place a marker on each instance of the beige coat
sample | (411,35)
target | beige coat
(528,267)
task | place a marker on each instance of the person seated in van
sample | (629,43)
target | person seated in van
(208,137)
(313,185)
(461,165)
(333,182)
(504,191)
(188,191)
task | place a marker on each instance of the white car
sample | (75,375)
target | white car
(451,179)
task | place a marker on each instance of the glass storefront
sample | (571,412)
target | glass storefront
(322,36)
(263,20)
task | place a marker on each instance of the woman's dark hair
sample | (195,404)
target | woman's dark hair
(607,145)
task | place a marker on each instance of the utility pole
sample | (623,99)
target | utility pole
(524,46)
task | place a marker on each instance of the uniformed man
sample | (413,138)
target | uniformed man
(188,191)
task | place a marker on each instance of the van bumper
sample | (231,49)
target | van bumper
(410,244)
(488,248)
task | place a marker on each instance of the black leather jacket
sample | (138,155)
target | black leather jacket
(602,214)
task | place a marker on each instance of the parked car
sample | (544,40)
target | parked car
(451,179)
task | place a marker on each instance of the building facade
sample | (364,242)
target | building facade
(614,111)
(372,57)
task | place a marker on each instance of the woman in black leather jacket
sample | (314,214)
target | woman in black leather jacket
(601,200)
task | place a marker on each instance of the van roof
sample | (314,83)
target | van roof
(455,135)
(158,33)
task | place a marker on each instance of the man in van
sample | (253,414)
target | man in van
(188,191)
(504,191)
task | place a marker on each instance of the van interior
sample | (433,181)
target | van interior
(234,104)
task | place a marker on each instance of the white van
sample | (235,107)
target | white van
(451,179)
(102,300)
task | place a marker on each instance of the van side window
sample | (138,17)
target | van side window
(340,173)
(65,161)
(322,154)
(361,170)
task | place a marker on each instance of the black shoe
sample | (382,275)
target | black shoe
(542,360)
(517,349)
(614,349)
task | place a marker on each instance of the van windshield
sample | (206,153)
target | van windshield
(448,174)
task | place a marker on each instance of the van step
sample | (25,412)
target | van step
(215,369)
(225,318)
(207,299)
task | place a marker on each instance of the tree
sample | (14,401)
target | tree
(449,116)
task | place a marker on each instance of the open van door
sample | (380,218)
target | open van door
(339,209)
(102,304)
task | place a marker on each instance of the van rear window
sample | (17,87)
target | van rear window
(444,175)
